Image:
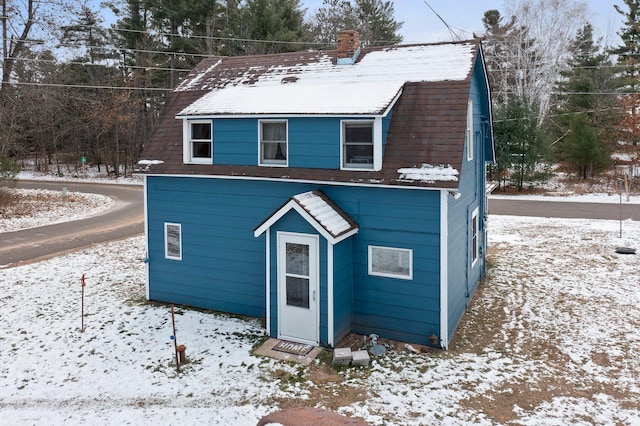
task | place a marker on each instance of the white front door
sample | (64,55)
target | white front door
(298,294)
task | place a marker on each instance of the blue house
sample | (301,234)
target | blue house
(326,192)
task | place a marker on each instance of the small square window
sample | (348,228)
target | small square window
(357,145)
(173,241)
(273,143)
(391,262)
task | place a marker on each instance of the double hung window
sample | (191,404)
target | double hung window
(357,144)
(200,142)
(273,143)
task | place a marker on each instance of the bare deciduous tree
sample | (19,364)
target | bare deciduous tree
(532,49)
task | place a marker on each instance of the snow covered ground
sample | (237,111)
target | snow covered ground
(553,337)
(48,207)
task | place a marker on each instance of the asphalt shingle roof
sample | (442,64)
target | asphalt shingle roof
(428,118)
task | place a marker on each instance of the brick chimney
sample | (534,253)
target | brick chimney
(348,46)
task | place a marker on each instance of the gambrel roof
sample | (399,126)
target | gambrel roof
(426,87)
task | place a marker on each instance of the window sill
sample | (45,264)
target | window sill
(199,161)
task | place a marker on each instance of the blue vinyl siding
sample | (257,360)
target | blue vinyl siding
(463,277)
(402,219)
(222,266)
(342,288)
(223,263)
(314,142)
(235,141)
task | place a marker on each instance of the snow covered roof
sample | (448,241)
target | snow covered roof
(428,173)
(426,88)
(313,83)
(316,204)
(317,209)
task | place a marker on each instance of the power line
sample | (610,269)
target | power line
(453,33)
(83,86)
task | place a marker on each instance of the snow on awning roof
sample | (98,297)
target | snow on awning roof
(367,87)
(317,209)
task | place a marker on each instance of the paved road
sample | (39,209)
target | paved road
(563,209)
(126,219)
(123,220)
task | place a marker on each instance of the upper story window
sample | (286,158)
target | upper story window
(273,142)
(198,147)
(358,144)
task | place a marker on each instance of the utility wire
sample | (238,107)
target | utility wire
(82,86)
(453,33)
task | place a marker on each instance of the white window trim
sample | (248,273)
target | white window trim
(475,230)
(377,144)
(187,152)
(470,133)
(166,245)
(272,164)
(382,274)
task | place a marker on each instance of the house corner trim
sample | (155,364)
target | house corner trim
(444,276)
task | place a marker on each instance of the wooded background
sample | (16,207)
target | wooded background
(73,86)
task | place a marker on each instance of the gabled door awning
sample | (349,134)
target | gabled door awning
(321,213)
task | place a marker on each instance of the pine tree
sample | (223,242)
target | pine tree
(583,148)
(373,19)
(88,35)
(275,21)
(629,62)
(629,52)
(583,99)
(520,143)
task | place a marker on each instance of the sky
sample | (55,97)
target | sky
(422,25)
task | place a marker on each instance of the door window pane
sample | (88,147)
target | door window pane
(298,292)
(298,259)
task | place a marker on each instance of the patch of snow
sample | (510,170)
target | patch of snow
(189,83)
(89,175)
(49,207)
(323,213)
(578,198)
(623,156)
(429,174)
(150,162)
(367,87)
(564,336)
